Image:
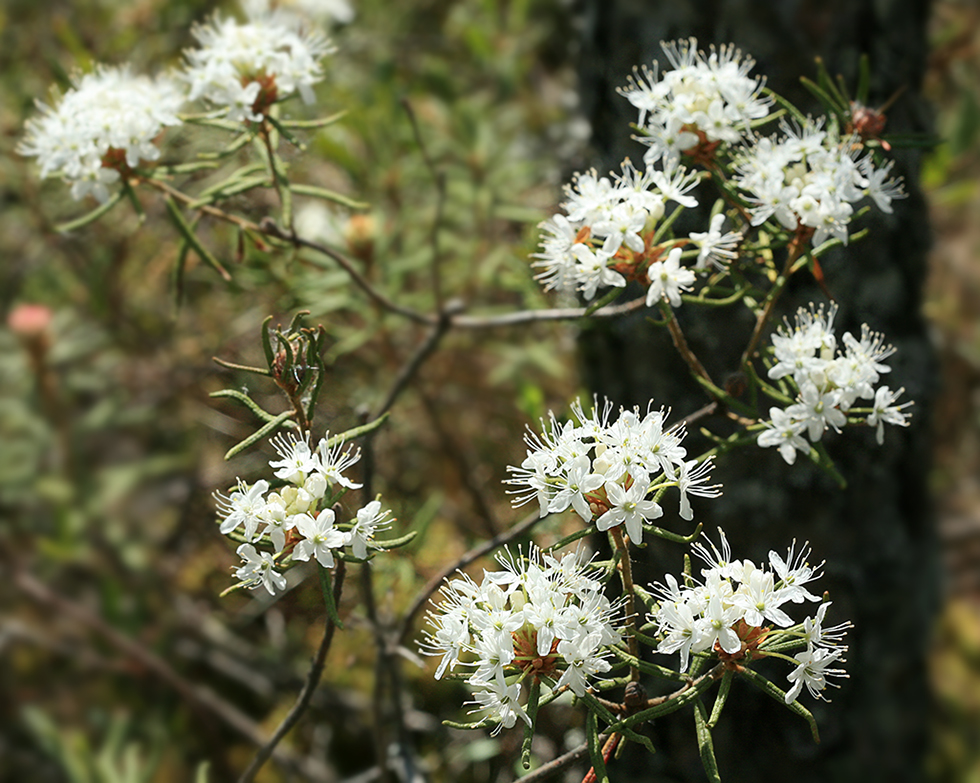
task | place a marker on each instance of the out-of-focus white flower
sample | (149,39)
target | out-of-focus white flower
(108,123)
(246,67)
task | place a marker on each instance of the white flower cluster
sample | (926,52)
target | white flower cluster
(811,177)
(736,613)
(828,381)
(245,67)
(603,240)
(608,471)
(704,99)
(543,618)
(290,518)
(108,121)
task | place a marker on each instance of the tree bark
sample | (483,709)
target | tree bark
(877,536)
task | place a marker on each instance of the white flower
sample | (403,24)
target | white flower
(245,67)
(784,432)
(319,538)
(886,412)
(333,461)
(629,507)
(579,481)
(715,246)
(708,94)
(369,520)
(667,280)
(107,123)
(692,480)
(818,410)
(584,661)
(259,569)
(500,700)
(813,671)
(297,460)
(245,507)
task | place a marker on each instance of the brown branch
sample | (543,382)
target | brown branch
(793,252)
(680,343)
(545,771)
(626,575)
(312,680)
(533,316)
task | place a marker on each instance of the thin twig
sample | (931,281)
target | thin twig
(556,765)
(270,228)
(680,343)
(793,252)
(699,414)
(309,686)
(423,352)
(521,317)
(626,574)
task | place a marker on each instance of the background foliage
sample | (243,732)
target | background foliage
(120,661)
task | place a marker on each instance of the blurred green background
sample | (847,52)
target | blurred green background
(120,663)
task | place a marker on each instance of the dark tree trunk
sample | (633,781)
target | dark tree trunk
(877,535)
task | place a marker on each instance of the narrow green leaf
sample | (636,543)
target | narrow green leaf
(315,191)
(357,432)
(246,401)
(608,298)
(677,538)
(480,724)
(284,131)
(242,367)
(779,695)
(821,95)
(233,188)
(229,149)
(609,718)
(532,712)
(797,114)
(270,356)
(569,539)
(177,275)
(188,233)
(201,773)
(395,543)
(134,200)
(720,698)
(187,168)
(827,83)
(818,454)
(595,748)
(327,588)
(666,224)
(322,122)
(297,323)
(259,434)
(706,746)
(91,217)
